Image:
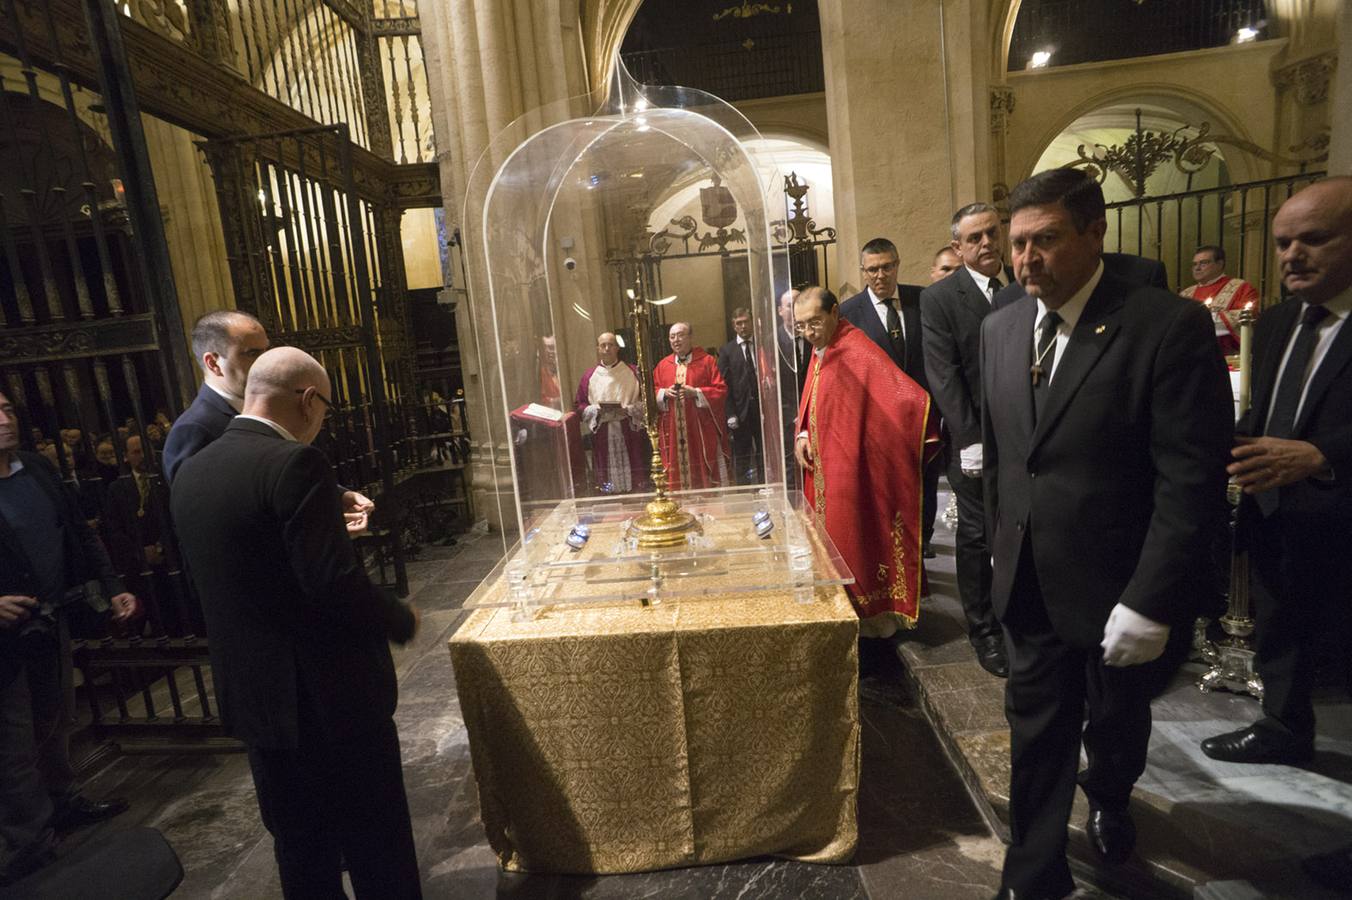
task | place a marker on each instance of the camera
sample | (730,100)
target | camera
(569,263)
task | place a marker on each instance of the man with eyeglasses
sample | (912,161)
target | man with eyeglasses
(951,312)
(300,638)
(1224,296)
(889,313)
(865,433)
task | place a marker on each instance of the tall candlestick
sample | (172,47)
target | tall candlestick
(1246,319)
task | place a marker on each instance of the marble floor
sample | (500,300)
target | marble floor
(932,800)
(921,835)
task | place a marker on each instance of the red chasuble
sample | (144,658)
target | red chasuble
(1228,296)
(871,433)
(700,460)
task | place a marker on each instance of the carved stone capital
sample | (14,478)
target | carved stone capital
(1002,107)
(1310,77)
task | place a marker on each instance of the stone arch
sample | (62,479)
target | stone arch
(1191,106)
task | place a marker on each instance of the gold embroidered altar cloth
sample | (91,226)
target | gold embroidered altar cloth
(622,739)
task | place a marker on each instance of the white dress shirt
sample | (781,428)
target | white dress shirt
(271,424)
(1070,312)
(1327,332)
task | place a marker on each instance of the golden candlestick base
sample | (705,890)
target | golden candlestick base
(664,523)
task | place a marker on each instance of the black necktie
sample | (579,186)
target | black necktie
(746,354)
(994,286)
(1044,356)
(1282,422)
(894,330)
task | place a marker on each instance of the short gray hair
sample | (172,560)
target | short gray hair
(971,209)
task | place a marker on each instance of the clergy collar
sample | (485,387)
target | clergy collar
(282,432)
(1070,310)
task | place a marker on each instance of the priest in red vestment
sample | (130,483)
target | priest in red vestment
(1225,296)
(610,401)
(865,434)
(692,432)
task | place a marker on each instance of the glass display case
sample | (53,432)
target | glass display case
(611,254)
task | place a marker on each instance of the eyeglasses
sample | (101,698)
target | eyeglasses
(328,404)
(813,324)
(881,268)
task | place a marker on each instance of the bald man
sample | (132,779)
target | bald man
(1293,459)
(299,638)
(609,400)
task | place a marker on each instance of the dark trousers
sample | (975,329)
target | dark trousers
(47,663)
(1050,685)
(1301,595)
(929,508)
(973,557)
(746,451)
(25,806)
(331,801)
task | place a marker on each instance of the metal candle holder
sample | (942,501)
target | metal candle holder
(663,523)
(1232,658)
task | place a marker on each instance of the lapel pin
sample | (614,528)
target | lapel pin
(1100,329)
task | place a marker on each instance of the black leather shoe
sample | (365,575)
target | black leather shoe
(1111,834)
(79,811)
(990,652)
(1258,745)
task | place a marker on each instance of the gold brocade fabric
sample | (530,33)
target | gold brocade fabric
(622,739)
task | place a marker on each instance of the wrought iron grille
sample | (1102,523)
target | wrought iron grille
(1236,217)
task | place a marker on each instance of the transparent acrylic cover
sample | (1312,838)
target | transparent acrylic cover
(590,238)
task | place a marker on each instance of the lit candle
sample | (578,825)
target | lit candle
(1246,317)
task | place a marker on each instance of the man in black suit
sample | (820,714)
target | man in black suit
(1124,266)
(737,363)
(889,313)
(1294,462)
(226,342)
(299,638)
(951,311)
(1106,424)
(52,570)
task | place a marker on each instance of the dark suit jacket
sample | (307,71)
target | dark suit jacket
(201,423)
(1115,481)
(951,311)
(1133,269)
(1323,507)
(299,635)
(743,392)
(85,557)
(860,312)
(789,383)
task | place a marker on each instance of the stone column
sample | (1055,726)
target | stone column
(908,111)
(1340,144)
(489,62)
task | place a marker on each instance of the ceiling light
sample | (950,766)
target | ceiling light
(1040,59)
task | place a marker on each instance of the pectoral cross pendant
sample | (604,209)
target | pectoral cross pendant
(1036,370)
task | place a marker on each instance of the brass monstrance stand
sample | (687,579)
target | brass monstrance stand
(1232,658)
(664,523)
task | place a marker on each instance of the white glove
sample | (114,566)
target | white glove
(969,460)
(732,423)
(1130,639)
